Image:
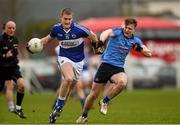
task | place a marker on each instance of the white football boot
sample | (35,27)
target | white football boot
(81,120)
(103,107)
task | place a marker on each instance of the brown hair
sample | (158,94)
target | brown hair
(130,21)
(67,11)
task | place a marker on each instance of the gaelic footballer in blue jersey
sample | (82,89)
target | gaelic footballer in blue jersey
(120,42)
(70,56)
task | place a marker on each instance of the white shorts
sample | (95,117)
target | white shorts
(86,76)
(77,66)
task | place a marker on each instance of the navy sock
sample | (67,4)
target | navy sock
(60,103)
(85,114)
(82,102)
(106,99)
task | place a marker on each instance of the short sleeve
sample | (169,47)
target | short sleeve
(138,41)
(84,31)
(116,31)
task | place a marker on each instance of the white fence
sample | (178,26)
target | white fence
(145,71)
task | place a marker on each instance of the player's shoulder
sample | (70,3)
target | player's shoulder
(80,27)
(2,38)
(117,31)
(77,25)
(136,38)
(57,25)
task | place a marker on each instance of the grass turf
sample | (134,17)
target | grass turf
(130,107)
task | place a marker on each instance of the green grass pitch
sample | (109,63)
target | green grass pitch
(130,107)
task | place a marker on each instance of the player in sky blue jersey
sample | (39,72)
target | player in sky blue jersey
(120,42)
(71,54)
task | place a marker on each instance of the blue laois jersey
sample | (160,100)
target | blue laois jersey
(118,47)
(72,41)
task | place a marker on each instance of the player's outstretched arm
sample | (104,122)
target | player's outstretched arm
(93,37)
(105,35)
(142,49)
(98,46)
(35,45)
(46,39)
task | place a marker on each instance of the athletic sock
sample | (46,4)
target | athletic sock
(19,98)
(60,102)
(85,114)
(106,99)
(11,105)
(82,102)
(18,107)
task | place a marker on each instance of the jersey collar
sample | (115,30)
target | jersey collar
(67,31)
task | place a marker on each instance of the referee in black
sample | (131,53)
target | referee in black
(9,68)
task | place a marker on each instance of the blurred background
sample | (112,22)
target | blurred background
(159,27)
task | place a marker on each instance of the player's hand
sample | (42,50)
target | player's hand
(9,54)
(99,50)
(98,47)
(27,48)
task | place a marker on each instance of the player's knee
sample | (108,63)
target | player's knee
(69,79)
(9,86)
(94,95)
(122,83)
(21,85)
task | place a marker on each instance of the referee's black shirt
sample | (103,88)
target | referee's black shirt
(8,43)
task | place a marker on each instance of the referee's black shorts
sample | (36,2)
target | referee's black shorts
(9,73)
(105,71)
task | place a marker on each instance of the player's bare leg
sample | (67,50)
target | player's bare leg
(19,98)
(9,94)
(96,89)
(68,94)
(80,92)
(119,83)
(64,91)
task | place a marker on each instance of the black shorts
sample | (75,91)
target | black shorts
(9,73)
(105,71)
(1,84)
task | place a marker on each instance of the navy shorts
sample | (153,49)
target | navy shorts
(10,73)
(105,71)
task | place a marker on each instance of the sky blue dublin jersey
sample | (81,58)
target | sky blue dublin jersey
(118,47)
(71,42)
